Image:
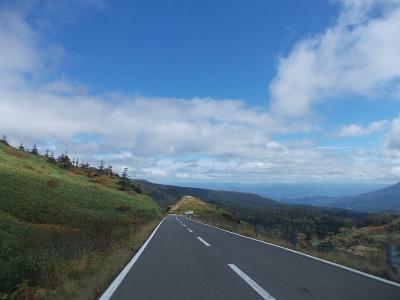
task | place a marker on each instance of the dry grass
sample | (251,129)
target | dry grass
(103,180)
(52,183)
(88,277)
(15,152)
(77,171)
(203,211)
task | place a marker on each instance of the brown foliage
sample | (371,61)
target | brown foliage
(14,152)
(92,175)
(102,179)
(52,183)
(78,171)
(123,208)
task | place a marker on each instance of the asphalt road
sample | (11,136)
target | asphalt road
(189,260)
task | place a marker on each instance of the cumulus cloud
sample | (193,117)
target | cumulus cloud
(356,130)
(123,129)
(149,126)
(18,49)
(392,144)
(193,139)
(356,56)
(45,110)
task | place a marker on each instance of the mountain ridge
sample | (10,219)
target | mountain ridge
(166,195)
(382,200)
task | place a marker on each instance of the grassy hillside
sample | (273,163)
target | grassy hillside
(56,225)
(201,210)
(369,241)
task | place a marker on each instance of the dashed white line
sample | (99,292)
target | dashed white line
(306,255)
(203,241)
(190,230)
(263,293)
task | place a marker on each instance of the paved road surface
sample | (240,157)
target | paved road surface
(189,260)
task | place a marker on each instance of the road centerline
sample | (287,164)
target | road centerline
(263,293)
(190,230)
(203,241)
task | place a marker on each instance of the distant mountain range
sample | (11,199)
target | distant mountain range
(386,199)
(166,195)
(288,190)
(382,200)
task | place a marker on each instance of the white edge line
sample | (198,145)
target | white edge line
(308,255)
(203,241)
(117,281)
(263,293)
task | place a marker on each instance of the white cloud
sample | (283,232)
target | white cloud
(148,126)
(41,110)
(356,56)
(18,49)
(188,139)
(392,143)
(356,130)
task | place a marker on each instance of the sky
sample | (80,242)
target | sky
(234,91)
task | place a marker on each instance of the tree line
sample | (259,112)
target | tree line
(64,161)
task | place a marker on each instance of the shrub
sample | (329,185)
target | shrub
(52,183)
(123,208)
(102,179)
(35,150)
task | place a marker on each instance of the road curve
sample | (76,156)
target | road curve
(189,260)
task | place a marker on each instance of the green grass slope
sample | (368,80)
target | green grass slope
(56,224)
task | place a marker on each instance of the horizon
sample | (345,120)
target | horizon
(216,93)
(281,191)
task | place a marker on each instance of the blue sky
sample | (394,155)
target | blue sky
(208,91)
(219,49)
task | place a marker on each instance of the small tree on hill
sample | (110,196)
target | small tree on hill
(125,173)
(51,158)
(109,171)
(101,167)
(64,161)
(84,165)
(124,180)
(21,147)
(35,150)
(4,140)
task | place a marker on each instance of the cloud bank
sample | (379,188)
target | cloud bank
(205,138)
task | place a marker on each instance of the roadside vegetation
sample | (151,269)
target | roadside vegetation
(357,242)
(66,229)
(204,211)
